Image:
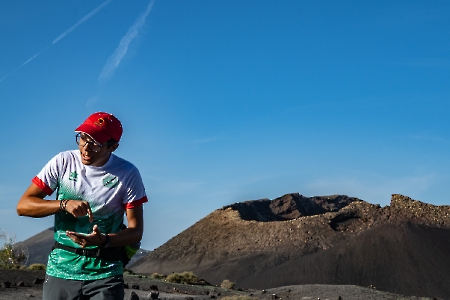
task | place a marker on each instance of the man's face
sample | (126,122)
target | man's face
(93,158)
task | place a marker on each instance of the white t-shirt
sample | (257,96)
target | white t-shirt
(109,190)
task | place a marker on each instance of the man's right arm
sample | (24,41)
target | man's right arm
(32,204)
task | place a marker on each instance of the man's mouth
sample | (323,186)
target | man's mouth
(85,156)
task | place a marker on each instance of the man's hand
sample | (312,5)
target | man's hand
(79,209)
(96,238)
(128,236)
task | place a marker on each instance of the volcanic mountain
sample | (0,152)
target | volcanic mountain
(402,248)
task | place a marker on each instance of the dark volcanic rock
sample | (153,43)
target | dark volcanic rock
(38,281)
(133,296)
(264,244)
(21,278)
(288,207)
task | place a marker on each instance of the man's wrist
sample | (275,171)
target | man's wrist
(107,241)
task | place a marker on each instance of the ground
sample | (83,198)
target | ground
(26,284)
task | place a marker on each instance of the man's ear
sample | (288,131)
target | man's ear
(113,147)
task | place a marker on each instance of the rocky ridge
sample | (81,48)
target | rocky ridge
(320,224)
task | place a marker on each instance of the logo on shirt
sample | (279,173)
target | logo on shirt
(73,176)
(110,181)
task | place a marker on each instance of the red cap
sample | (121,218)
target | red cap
(101,127)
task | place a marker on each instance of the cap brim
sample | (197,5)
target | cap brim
(95,134)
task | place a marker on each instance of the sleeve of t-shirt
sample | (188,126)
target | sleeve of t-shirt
(135,191)
(47,178)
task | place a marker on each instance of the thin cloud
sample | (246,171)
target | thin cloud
(115,59)
(65,33)
(7,75)
(88,16)
(34,56)
(203,141)
(27,61)
(91,101)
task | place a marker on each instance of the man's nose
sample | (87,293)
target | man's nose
(86,146)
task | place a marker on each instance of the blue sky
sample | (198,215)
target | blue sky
(227,101)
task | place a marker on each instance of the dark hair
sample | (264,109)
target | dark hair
(110,142)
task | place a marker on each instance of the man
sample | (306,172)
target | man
(94,188)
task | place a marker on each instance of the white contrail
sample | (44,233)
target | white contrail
(27,61)
(34,56)
(114,60)
(88,16)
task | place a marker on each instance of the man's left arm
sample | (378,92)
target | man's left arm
(133,233)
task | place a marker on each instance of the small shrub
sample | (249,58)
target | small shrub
(127,271)
(185,277)
(12,256)
(158,276)
(226,284)
(37,267)
(15,267)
